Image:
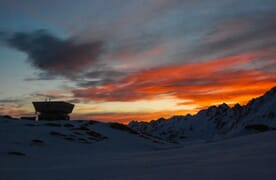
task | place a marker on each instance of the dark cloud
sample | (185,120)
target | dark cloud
(54,55)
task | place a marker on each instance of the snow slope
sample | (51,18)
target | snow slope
(202,148)
(32,147)
(215,122)
(115,154)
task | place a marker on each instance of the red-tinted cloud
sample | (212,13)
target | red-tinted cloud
(225,79)
(233,79)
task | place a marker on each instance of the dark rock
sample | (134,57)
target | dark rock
(258,127)
(37,141)
(68,125)
(53,124)
(96,135)
(82,128)
(122,127)
(55,133)
(17,153)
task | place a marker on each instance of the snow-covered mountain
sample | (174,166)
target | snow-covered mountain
(215,122)
(88,150)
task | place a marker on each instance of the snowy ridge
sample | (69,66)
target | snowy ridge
(215,122)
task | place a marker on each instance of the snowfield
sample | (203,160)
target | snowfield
(30,150)
(220,142)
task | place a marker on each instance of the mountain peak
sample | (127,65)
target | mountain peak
(271,92)
(223,106)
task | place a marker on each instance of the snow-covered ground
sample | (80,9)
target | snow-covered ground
(65,150)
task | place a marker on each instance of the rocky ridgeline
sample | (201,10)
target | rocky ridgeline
(216,121)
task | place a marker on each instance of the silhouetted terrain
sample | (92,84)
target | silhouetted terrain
(217,143)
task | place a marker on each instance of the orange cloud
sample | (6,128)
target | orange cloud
(180,79)
(232,79)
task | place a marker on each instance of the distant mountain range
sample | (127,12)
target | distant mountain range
(216,122)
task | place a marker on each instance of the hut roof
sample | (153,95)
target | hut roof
(53,107)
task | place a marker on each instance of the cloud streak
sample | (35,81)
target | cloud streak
(240,33)
(215,81)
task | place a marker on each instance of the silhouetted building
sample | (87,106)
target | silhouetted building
(53,110)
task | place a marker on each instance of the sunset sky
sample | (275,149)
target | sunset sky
(123,60)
